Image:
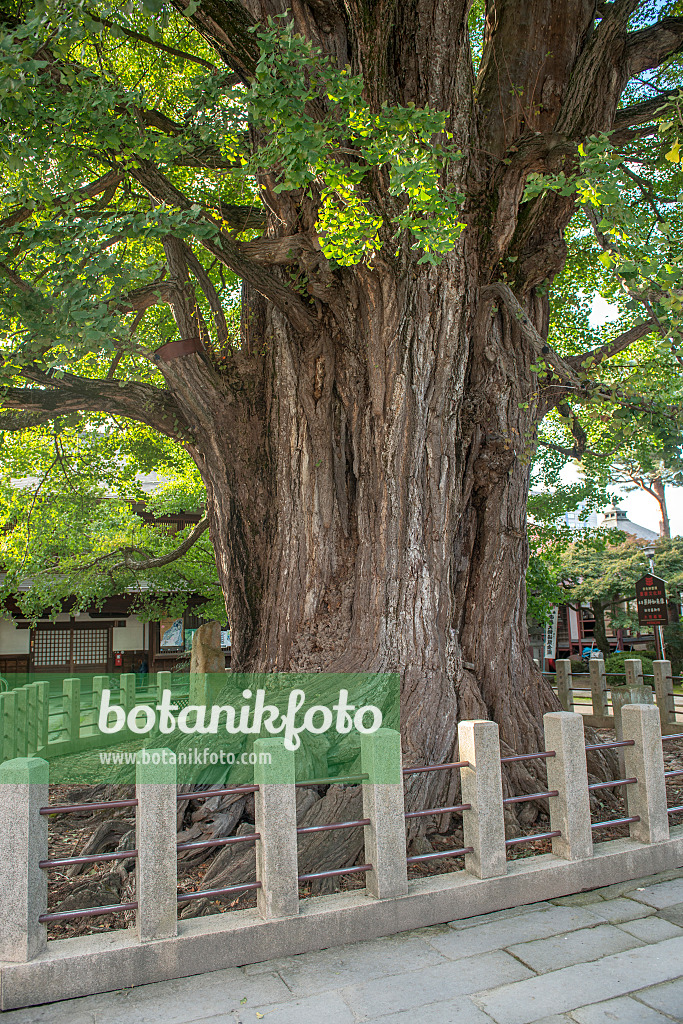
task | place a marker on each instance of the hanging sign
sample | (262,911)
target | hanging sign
(651,600)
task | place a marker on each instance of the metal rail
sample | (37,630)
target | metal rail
(338,871)
(203,844)
(531,839)
(608,785)
(609,746)
(615,821)
(206,794)
(436,767)
(674,810)
(69,915)
(539,755)
(97,858)
(438,810)
(436,856)
(74,808)
(187,897)
(670,775)
(531,796)
(674,736)
(332,828)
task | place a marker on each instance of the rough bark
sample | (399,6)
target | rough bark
(660,495)
(366,451)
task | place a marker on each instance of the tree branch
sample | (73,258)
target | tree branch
(136,401)
(225,249)
(540,348)
(650,47)
(225,27)
(140,38)
(641,113)
(612,348)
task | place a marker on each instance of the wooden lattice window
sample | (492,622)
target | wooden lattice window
(51,648)
(64,648)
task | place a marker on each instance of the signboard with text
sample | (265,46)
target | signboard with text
(651,600)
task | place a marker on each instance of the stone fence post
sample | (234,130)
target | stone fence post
(43,688)
(71,689)
(598,681)
(277,861)
(482,787)
(570,812)
(8,717)
(644,761)
(164,680)
(633,669)
(383,804)
(563,678)
(664,692)
(20,722)
(155,831)
(24,790)
(127,691)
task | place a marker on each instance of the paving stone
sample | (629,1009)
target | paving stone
(558,951)
(526,1001)
(619,910)
(673,914)
(651,929)
(498,915)
(327,1006)
(446,982)
(181,1001)
(609,892)
(667,998)
(343,965)
(618,1011)
(458,1011)
(665,894)
(578,899)
(500,934)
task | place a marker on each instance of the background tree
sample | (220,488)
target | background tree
(67,522)
(603,571)
(389,185)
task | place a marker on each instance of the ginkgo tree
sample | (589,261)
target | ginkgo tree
(317,245)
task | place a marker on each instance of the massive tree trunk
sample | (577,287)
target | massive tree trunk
(366,449)
(367,473)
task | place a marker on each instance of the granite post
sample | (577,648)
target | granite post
(563,678)
(277,861)
(598,681)
(383,804)
(570,812)
(664,692)
(644,761)
(482,787)
(155,831)
(24,790)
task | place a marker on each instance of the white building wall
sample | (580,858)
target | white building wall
(13,640)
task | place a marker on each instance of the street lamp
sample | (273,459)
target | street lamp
(657,630)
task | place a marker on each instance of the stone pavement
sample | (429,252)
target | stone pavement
(611,956)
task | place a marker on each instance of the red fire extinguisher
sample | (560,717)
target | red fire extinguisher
(118,659)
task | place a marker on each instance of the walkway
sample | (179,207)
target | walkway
(612,956)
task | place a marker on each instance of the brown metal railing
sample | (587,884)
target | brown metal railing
(608,785)
(339,779)
(96,858)
(435,856)
(337,871)
(538,755)
(531,839)
(436,767)
(609,746)
(74,808)
(438,810)
(531,796)
(70,915)
(307,830)
(203,844)
(615,821)
(187,897)
(674,736)
(207,794)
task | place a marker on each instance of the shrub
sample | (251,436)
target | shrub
(615,662)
